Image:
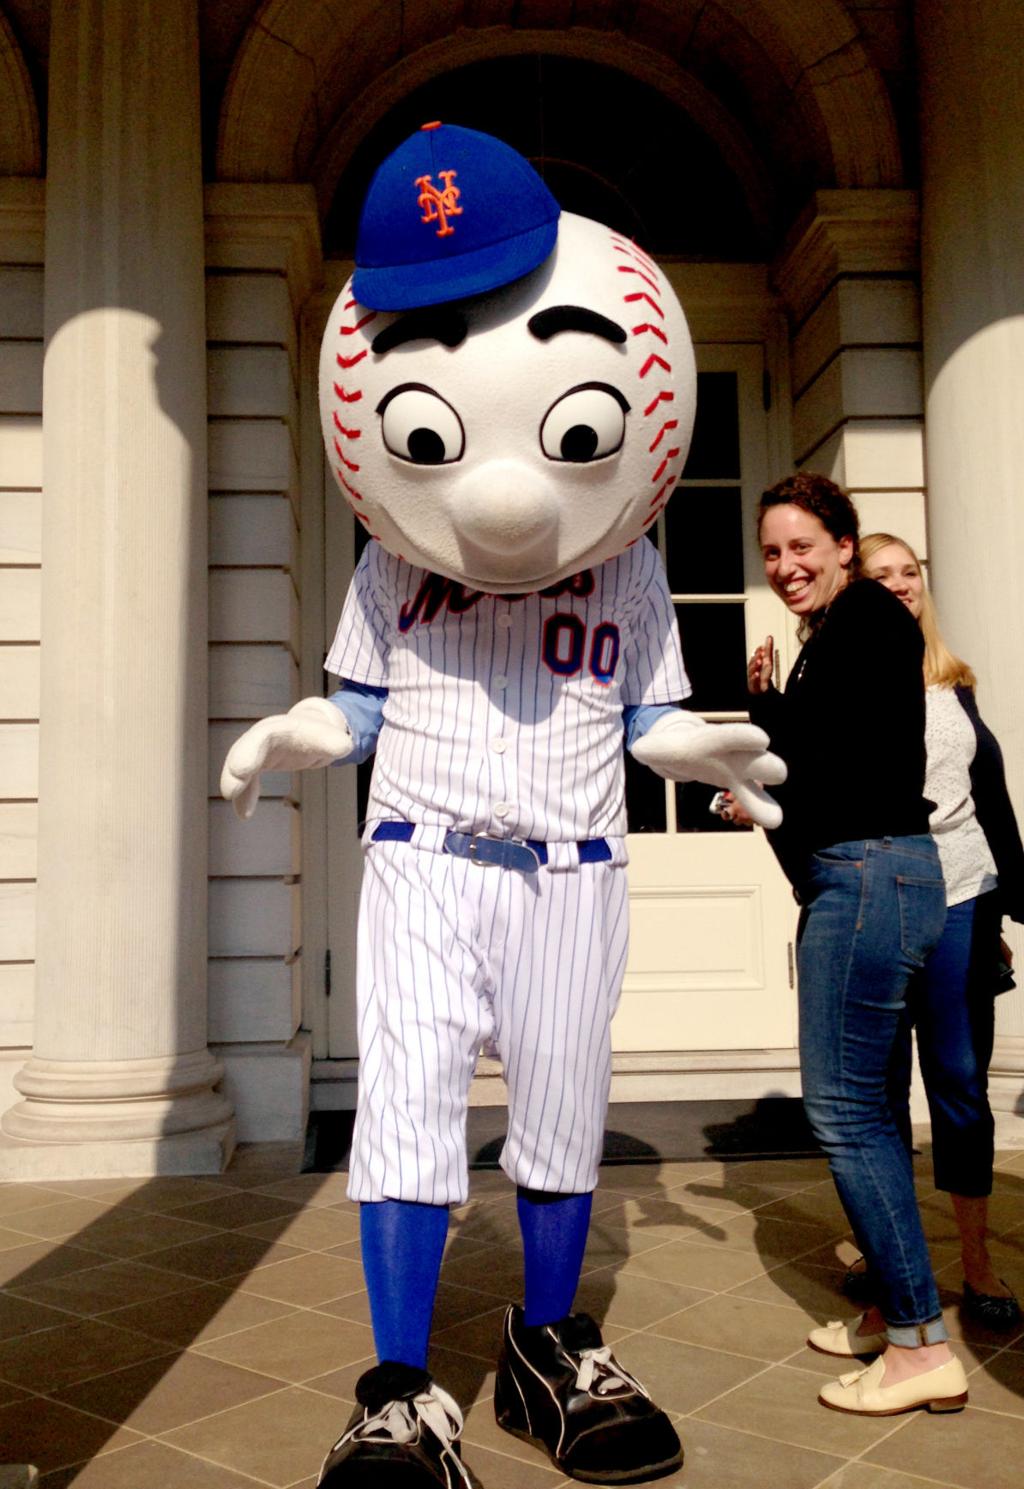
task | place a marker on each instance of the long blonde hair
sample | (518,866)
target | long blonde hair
(940,665)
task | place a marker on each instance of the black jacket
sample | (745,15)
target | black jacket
(993,809)
(850,727)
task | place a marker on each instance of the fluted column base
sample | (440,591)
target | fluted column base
(109,1117)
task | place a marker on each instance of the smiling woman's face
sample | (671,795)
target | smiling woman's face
(898,570)
(510,441)
(804,564)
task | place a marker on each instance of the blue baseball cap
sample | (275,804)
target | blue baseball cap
(450,213)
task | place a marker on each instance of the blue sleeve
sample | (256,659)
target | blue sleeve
(363,707)
(637,718)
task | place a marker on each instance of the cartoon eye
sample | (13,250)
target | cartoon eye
(585,424)
(419,426)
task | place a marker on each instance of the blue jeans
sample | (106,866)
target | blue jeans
(873,911)
(953,1008)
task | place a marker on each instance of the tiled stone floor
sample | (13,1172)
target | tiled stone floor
(206,1334)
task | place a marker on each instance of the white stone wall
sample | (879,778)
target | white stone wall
(21,361)
(255,905)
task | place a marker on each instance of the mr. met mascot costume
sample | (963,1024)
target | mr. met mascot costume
(507,396)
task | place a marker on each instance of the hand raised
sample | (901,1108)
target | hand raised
(761,667)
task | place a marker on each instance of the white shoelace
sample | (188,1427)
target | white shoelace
(600,1368)
(399,1421)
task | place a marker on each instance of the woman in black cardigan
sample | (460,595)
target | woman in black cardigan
(951,1000)
(854,842)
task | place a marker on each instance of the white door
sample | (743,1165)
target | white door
(712,918)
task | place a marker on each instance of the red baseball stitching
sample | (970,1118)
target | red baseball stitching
(668,424)
(348,464)
(625,245)
(667,460)
(351,330)
(643,295)
(654,330)
(626,269)
(650,275)
(663,397)
(347,397)
(655,360)
(350,489)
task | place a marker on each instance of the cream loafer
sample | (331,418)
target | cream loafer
(862,1391)
(841,1338)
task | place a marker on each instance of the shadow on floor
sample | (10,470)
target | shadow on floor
(637,1132)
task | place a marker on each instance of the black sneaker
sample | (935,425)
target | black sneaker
(559,1385)
(403,1433)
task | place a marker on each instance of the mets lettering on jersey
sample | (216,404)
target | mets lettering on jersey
(504,714)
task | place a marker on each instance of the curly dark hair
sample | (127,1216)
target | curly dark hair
(822,498)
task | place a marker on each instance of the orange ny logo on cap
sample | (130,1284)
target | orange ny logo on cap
(438,206)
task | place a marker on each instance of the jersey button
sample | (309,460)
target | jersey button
(502,808)
(499,682)
(503,619)
(499,746)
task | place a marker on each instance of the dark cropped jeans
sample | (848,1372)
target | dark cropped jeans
(872,912)
(952,1005)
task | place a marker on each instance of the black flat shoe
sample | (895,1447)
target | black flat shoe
(560,1386)
(857,1286)
(991,1310)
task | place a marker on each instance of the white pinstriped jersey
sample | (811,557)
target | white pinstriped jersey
(504,715)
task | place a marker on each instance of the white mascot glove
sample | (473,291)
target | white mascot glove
(313,732)
(734,757)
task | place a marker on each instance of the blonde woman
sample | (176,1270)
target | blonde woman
(951,1000)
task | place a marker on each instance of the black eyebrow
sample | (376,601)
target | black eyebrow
(433,323)
(558,318)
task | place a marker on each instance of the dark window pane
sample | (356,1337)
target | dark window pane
(715,447)
(692,815)
(715,653)
(704,541)
(645,798)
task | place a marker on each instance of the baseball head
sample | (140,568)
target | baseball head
(511,439)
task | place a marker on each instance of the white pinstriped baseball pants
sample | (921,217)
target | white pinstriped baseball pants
(451,955)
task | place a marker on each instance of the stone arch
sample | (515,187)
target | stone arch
(785,88)
(679,87)
(20,151)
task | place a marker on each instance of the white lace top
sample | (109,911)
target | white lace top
(967,863)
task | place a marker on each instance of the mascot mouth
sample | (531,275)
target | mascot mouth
(525,580)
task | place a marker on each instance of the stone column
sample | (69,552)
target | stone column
(121,1080)
(847,275)
(971,61)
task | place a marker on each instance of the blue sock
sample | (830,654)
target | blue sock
(402,1245)
(554,1229)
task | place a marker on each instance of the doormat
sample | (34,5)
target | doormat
(637,1132)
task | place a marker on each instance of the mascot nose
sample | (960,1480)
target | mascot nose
(503,508)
